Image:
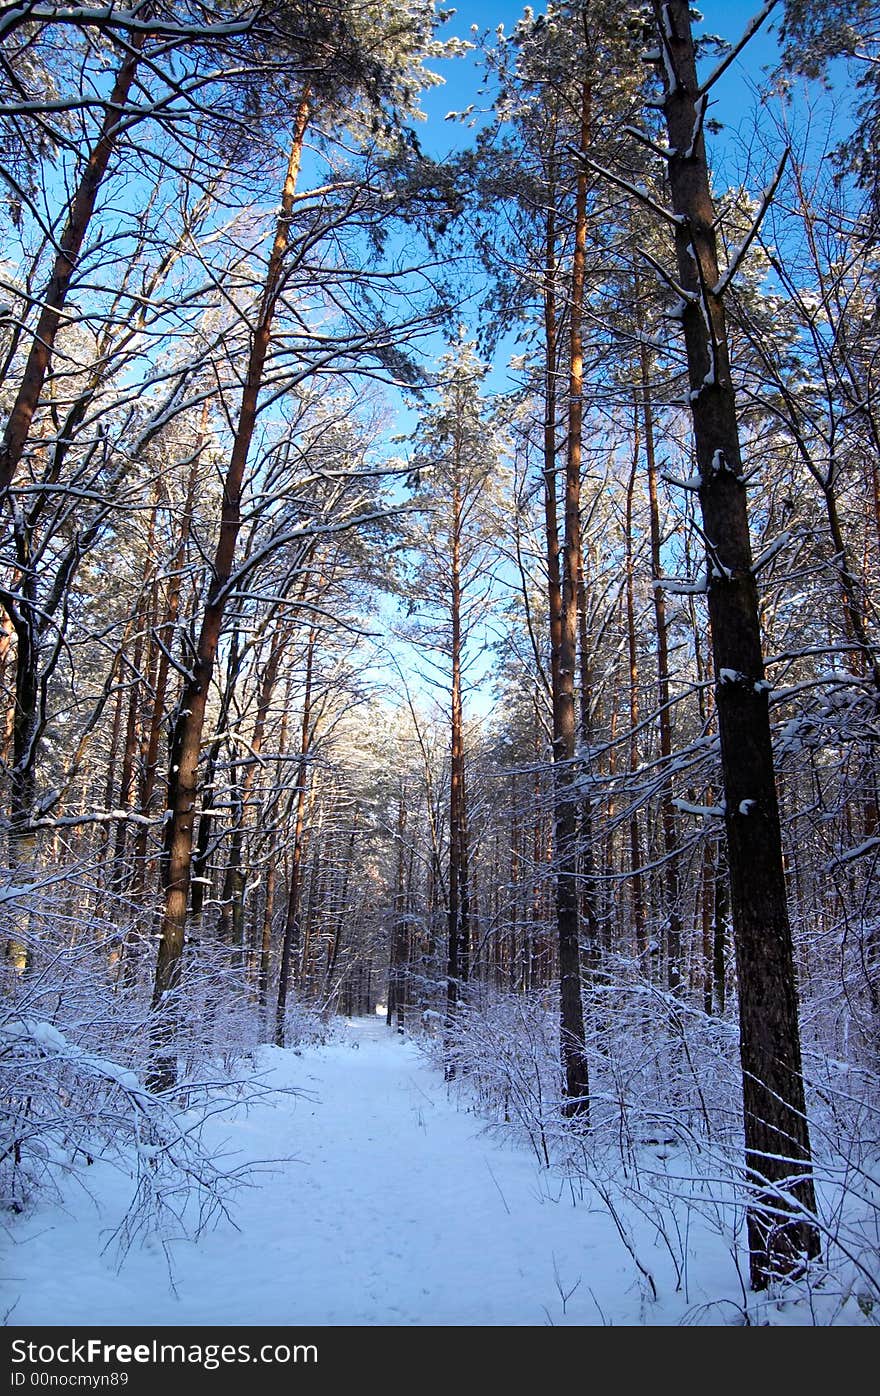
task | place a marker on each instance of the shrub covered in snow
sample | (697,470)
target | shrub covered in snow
(662,1142)
(63,1108)
(75,1042)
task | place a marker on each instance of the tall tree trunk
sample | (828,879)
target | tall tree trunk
(562,593)
(290,941)
(707,899)
(537,972)
(7,661)
(339,921)
(18,425)
(190,714)
(317,867)
(672,917)
(118,878)
(231,924)
(637,896)
(271,880)
(458,965)
(588,907)
(399,929)
(201,875)
(266,936)
(778,1157)
(719,931)
(574,1058)
(150,757)
(26,730)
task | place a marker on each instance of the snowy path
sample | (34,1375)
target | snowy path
(394,1207)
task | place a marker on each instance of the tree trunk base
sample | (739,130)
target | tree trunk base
(779,1248)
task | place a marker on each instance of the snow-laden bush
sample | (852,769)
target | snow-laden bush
(656,1065)
(505,1051)
(62,1109)
(308,1025)
(663,1140)
(75,1040)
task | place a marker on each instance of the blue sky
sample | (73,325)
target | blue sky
(462,76)
(735,102)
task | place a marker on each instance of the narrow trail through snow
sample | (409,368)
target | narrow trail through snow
(391,1205)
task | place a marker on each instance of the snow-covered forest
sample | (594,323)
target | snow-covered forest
(440,663)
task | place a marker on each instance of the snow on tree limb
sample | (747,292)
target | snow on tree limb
(740,251)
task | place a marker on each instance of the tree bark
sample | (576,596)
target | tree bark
(567,803)
(672,918)
(778,1159)
(397,985)
(150,759)
(18,425)
(290,941)
(637,896)
(458,965)
(190,715)
(231,923)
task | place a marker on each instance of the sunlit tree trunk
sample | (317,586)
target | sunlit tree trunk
(574,1059)
(458,967)
(190,714)
(672,917)
(54,297)
(166,633)
(637,895)
(291,935)
(399,930)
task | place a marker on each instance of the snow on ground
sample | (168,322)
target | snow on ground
(390,1206)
